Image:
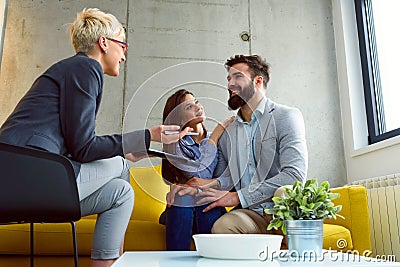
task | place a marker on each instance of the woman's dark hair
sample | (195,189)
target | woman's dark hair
(171,116)
(171,109)
(257,66)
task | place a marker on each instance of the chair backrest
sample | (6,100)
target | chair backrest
(36,186)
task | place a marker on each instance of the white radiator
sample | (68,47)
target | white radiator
(384,213)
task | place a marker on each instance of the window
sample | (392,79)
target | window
(3,9)
(378,23)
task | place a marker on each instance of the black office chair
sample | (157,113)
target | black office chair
(37,187)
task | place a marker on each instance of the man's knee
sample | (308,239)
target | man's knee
(226,224)
(240,221)
(220,226)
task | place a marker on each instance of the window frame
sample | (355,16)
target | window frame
(370,71)
(3,18)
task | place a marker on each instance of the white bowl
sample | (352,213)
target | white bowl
(238,246)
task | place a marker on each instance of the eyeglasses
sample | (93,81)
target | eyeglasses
(123,44)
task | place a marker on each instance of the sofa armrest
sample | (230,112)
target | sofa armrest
(150,191)
(356,217)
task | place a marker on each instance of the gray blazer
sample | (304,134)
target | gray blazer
(58,114)
(280,149)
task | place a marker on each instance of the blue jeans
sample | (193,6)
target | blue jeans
(182,222)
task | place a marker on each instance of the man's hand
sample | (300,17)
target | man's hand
(197,182)
(219,198)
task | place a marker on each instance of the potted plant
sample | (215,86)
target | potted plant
(300,211)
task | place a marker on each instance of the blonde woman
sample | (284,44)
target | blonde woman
(58,114)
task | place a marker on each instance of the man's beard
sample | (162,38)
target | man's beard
(241,98)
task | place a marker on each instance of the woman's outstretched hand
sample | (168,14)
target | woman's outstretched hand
(133,158)
(157,133)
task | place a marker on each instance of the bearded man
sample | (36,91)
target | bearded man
(263,149)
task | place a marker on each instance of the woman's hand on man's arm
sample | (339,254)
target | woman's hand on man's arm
(219,130)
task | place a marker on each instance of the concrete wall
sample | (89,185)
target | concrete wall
(295,36)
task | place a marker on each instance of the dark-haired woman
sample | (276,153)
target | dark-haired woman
(183,216)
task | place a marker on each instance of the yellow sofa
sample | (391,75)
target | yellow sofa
(53,242)
(352,232)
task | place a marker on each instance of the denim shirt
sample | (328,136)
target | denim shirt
(204,153)
(251,128)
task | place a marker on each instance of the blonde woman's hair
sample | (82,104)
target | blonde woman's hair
(89,25)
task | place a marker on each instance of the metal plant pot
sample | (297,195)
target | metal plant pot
(305,237)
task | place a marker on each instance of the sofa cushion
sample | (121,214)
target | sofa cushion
(337,237)
(144,235)
(49,238)
(56,239)
(150,191)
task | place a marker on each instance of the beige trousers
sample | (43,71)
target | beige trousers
(241,221)
(245,221)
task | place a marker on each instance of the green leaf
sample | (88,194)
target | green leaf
(333,195)
(304,208)
(284,229)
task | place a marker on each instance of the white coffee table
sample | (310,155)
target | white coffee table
(192,259)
